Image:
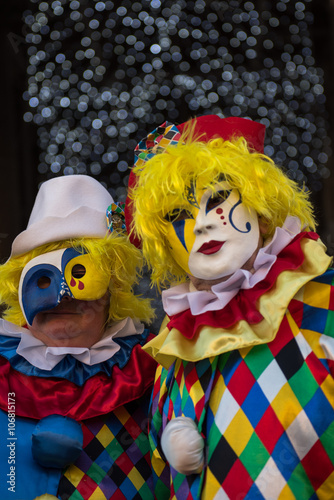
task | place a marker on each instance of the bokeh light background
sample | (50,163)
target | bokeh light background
(103,74)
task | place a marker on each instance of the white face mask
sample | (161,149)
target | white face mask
(215,234)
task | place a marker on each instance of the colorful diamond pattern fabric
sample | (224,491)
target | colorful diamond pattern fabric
(115,463)
(266,412)
(156,142)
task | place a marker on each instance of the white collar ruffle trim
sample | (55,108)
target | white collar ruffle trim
(46,358)
(182,297)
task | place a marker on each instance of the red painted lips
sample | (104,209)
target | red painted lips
(211,247)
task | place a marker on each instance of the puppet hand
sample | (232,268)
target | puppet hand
(56,441)
(183,446)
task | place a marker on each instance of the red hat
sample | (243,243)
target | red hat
(206,127)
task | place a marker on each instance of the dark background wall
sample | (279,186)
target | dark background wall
(19,152)
(324,53)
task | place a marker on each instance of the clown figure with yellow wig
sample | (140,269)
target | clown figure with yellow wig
(75,383)
(243,401)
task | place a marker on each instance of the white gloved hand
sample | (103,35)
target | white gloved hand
(183,446)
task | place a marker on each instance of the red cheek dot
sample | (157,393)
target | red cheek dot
(224,224)
(219,211)
(222,217)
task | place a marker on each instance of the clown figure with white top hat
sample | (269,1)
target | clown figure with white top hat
(75,383)
(243,401)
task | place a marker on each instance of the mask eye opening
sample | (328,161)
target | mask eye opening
(43,282)
(217,198)
(177,215)
(78,271)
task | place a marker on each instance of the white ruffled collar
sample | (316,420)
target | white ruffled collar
(46,358)
(182,297)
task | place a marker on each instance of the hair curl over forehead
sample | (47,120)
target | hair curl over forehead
(164,179)
(116,257)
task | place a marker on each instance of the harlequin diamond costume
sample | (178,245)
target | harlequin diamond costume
(243,401)
(73,417)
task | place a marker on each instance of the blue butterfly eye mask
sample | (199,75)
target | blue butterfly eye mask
(46,279)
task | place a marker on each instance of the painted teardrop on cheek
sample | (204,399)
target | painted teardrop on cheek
(73,283)
(220,211)
(179,228)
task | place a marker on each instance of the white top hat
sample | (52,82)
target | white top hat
(70,206)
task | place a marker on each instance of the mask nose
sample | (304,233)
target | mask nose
(203,224)
(42,288)
(64,290)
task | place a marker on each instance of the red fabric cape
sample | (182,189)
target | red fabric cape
(37,397)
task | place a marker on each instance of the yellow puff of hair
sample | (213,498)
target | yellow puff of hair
(116,257)
(46,496)
(162,182)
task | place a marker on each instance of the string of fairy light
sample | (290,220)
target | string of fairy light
(103,74)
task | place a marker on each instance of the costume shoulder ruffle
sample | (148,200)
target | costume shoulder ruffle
(73,389)
(252,317)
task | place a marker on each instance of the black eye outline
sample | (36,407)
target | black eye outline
(178,214)
(43,282)
(78,271)
(216,199)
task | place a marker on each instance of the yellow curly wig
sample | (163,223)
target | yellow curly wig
(115,255)
(162,182)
